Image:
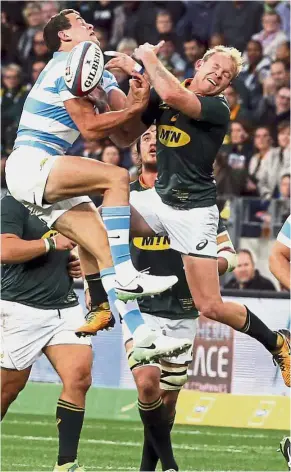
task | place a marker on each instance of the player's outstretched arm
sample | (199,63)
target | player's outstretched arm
(15,250)
(94,126)
(279,263)
(166,85)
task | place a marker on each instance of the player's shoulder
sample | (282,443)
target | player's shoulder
(284,235)
(108,81)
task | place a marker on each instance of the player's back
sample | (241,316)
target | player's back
(45,122)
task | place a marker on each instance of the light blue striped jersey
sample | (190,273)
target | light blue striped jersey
(285,234)
(45,122)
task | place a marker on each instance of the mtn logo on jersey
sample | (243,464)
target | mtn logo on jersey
(152,243)
(171,136)
(49,234)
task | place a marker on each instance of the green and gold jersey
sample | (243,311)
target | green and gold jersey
(42,282)
(186,150)
(154,253)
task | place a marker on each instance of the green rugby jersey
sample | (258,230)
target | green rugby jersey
(42,282)
(154,252)
(186,150)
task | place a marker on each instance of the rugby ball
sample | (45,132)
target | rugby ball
(84,68)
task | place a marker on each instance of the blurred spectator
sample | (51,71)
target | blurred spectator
(171,58)
(255,70)
(237,109)
(225,182)
(284,188)
(92,149)
(280,74)
(39,52)
(257,165)
(111,155)
(216,39)
(36,68)
(276,164)
(194,49)
(103,14)
(283,10)
(164,22)
(34,19)
(246,276)
(133,19)
(13,95)
(237,21)
(135,161)
(275,110)
(9,39)
(102,36)
(49,9)
(197,20)
(271,35)
(283,53)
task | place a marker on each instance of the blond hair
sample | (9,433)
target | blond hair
(233,53)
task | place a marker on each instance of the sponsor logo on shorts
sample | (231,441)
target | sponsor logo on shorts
(49,234)
(171,136)
(42,163)
(152,243)
(202,244)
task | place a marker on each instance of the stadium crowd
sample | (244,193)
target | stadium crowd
(254,160)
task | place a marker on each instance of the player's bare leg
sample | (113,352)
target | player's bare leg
(202,277)
(73,364)
(12,382)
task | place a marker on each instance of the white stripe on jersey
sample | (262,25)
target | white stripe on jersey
(45,120)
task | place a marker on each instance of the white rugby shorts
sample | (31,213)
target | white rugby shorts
(191,231)
(25,331)
(27,171)
(178,329)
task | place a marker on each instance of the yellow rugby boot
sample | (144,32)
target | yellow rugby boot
(97,319)
(282,356)
(69,467)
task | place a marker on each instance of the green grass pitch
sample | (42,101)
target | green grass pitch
(29,443)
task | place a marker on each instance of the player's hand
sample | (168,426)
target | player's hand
(63,243)
(140,89)
(74,267)
(147,48)
(88,300)
(121,61)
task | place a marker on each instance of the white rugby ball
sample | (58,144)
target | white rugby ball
(84,68)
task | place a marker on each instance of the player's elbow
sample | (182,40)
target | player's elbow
(273,263)
(90,134)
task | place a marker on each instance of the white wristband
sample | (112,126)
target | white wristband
(86,286)
(47,245)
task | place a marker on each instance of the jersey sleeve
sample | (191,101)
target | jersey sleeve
(153,111)
(63,90)
(284,236)
(109,82)
(214,110)
(13,216)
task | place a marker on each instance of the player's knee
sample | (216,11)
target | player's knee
(210,309)
(9,393)
(80,381)
(147,385)
(170,401)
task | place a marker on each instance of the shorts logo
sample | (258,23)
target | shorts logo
(171,136)
(152,243)
(42,163)
(202,244)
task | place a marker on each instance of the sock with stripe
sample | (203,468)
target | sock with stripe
(70,419)
(255,328)
(96,289)
(129,312)
(117,223)
(157,429)
(150,458)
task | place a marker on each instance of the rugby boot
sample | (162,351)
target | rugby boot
(282,356)
(69,467)
(154,345)
(97,319)
(144,285)
(286,450)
